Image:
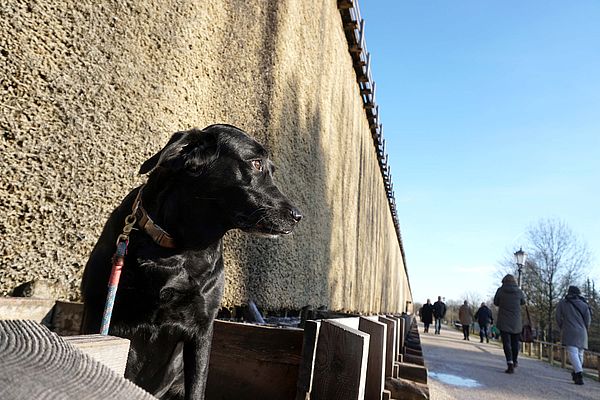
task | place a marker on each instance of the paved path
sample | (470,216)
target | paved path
(464,370)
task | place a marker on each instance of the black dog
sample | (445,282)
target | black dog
(201,184)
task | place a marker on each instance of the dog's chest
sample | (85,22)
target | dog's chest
(183,289)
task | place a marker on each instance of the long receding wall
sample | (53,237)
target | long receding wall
(90,89)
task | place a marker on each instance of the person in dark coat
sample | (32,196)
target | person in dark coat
(573,316)
(484,318)
(509,298)
(439,312)
(427,315)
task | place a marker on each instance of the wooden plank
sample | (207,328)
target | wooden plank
(412,372)
(413,352)
(26,308)
(254,362)
(375,381)
(111,351)
(409,358)
(399,332)
(390,345)
(309,349)
(67,317)
(340,363)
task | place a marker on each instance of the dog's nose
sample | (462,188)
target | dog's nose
(296,214)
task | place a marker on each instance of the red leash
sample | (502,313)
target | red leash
(117,266)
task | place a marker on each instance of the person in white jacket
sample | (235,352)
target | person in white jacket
(573,316)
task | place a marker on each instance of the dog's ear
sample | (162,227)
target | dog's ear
(169,149)
(190,149)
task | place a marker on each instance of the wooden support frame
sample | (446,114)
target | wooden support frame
(340,362)
(375,382)
(255,361)
(390,345)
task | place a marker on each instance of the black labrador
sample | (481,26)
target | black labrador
(201,184)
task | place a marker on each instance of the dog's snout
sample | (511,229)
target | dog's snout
(296,214)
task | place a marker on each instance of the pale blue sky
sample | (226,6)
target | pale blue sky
(491,112)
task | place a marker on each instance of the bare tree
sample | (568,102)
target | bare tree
(556,259)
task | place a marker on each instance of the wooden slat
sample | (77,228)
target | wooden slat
(412,372)
(111,351)
(340,363)
(309,349)
(375,382)
(390,345)
(67,317)
(26,308)
(399,333)
(38,364)
(253,362)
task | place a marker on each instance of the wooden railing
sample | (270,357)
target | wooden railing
(555,353)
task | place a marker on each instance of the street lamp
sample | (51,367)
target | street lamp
(520,257)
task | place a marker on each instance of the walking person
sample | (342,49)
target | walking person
(465,315)
(509,298)
(427,315)
(484,319)
(439,312)
(573,316)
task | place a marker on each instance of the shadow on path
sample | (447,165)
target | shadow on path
(466,370)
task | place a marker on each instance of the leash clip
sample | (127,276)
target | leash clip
(129,226)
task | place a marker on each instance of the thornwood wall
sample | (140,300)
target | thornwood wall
(90,89)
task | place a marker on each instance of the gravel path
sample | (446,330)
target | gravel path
(463,370)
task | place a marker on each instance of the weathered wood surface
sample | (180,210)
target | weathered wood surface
(26,308)
(377,331)
(253,362)
(411,351)
(340,363)
(309,349)
(37,364)
(409,358)
(412,372)
(67,317)
(111,351)
(390,345)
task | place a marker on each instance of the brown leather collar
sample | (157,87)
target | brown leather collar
(158,234)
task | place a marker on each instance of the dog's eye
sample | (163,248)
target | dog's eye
(257,165)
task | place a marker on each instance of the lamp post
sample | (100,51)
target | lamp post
(520,257)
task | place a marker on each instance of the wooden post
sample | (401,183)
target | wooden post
(412,372)
(598,365)
(529,349)
(309,349)
(109,350)
(540,350)
(340,363)
(563,357)
(390,345)
(551,354)
(273,355)
(375,382)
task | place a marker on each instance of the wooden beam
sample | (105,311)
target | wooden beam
(375,381)
(309,350)
(111,351)
(413,372)
(257,362)
(390,345)
(26,308)
(340,362)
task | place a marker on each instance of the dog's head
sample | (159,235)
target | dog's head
(222,171)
